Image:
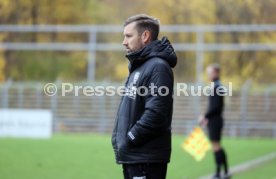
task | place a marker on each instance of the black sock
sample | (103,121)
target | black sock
(224,160)
(217,156)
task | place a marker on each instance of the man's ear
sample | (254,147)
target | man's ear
(146,37)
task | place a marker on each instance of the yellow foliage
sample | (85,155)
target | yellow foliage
(2,66)
(236,66)
(121,71)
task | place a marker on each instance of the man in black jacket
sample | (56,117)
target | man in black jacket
(214,121)
(142,133)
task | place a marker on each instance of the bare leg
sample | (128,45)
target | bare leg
(216,146)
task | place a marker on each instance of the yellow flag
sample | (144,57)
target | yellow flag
(196,144)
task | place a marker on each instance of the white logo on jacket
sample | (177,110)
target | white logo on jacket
(136,76)
(131,89)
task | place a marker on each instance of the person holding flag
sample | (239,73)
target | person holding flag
(213,119)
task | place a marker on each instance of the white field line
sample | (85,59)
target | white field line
(248,165)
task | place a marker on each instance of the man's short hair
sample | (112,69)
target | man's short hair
(145,22)
(215,66)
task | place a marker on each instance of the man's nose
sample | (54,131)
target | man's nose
(124,42)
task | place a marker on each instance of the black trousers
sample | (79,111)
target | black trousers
(145,171)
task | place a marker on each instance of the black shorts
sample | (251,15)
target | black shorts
(145,171)
(215,131)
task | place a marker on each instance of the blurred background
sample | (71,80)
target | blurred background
(79,42)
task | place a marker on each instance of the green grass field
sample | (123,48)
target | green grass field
(90,156)
(266,170)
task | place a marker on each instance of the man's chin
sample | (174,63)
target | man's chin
(128,51)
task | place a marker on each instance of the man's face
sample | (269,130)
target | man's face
(132,39)
(212,73)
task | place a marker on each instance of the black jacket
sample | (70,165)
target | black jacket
(142,131)
(215,106)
